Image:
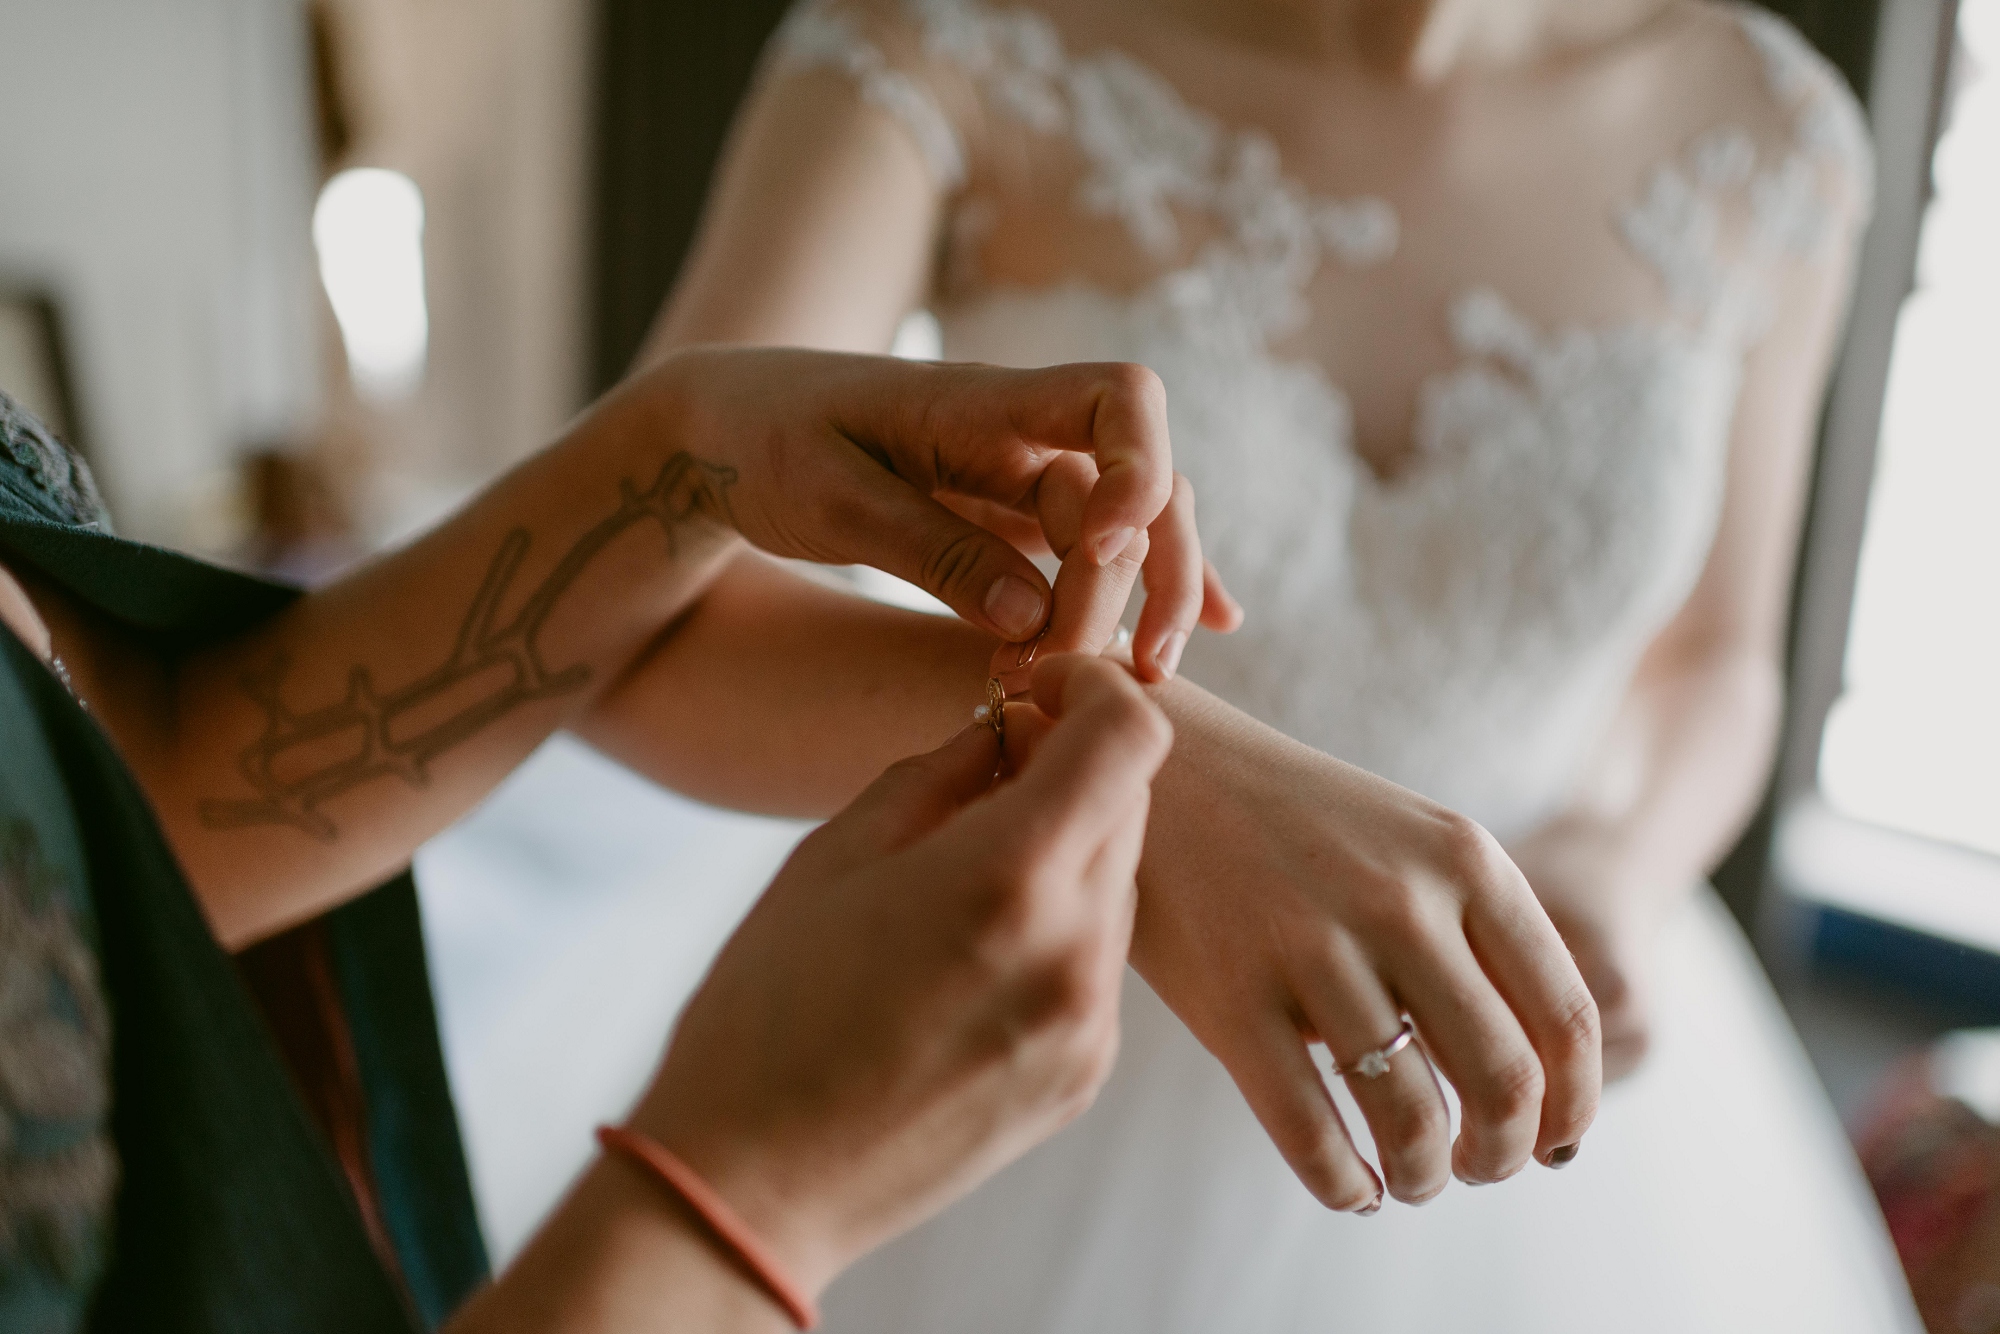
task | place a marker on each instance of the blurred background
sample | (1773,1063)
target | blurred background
(298,275)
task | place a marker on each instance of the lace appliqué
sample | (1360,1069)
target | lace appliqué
(1677,226)
(1015,53)
(1148,151)
(58,1171)
(1147,154)
(1464,625)
(813,38)
(1830,124)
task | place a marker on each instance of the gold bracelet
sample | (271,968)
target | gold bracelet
(996,708)
(994,712)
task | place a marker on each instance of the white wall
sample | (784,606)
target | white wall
(156,171)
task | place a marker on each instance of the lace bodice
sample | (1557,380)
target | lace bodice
(1461,612)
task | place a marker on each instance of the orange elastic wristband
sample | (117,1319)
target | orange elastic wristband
(721,1219)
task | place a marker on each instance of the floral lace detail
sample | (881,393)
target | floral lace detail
(58,1171)
(812,38)
(1831,127)
(1466,625)
(1148,152)
(1677,226)
(1016,53)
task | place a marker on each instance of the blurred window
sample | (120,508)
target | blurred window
(1914,742)
(369,230)
(1891,788)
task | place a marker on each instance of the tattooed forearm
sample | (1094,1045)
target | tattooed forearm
(302,760)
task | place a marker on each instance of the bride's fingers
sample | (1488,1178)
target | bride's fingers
(1220,611)
(1404,1107)
(1275,1074)
(1526,959)
(1174,579)
(1480,1047)
(1088,597)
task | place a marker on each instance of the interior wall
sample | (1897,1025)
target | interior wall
(671,76)
(486,105)
(157,170)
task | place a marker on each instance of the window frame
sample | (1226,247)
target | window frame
(1814,857)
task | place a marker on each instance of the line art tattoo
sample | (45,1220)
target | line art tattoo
(357,740)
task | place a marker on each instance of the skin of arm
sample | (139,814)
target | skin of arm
(721,711)
(621,1254)
(929,988)
(1278,885)
(299,763)
(878,683)
(1685,762)
(931,985)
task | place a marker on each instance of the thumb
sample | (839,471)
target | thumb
(976,573)
(916,795)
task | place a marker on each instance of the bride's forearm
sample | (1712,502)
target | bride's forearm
(1687,762)
(785,697)
(782,696)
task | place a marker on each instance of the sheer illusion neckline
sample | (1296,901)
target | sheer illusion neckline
(1460,624)
(1269,207)
(1153,158)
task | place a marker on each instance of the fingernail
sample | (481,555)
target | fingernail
(1371,1210)
(1563,1157)
(1014,607)
(1112,545)
(1170,652)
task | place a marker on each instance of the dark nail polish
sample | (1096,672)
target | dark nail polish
(1563,1157)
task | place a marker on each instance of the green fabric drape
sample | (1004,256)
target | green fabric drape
(229,1212)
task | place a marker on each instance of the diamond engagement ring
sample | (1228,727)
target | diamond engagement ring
(1375,1064)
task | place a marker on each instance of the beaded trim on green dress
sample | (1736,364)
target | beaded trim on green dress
(45,474)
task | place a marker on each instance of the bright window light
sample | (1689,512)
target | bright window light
(369,230)
(1913,743)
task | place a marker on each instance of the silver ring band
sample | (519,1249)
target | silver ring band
(1375,1064)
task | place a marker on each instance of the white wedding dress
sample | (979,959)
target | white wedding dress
(1464,627)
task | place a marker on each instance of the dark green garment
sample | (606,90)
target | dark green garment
(229,1211)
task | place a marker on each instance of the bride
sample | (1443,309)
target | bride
(1493,333)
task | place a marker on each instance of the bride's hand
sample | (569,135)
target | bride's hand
(1610,923)
(848,460)
(1286,897)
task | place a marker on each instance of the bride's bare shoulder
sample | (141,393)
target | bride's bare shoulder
(1734,46)
(1741,67)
